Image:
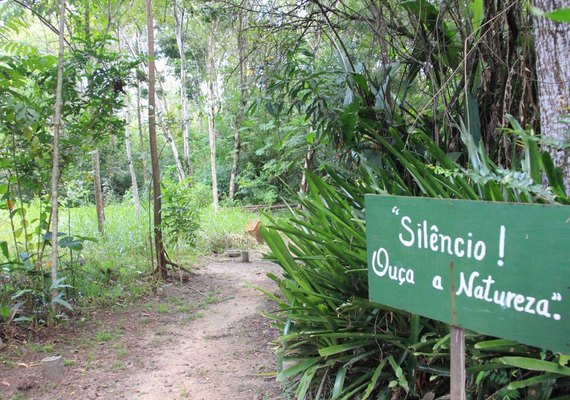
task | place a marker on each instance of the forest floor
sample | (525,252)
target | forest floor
(202,339)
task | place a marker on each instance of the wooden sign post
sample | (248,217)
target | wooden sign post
(457,366)
(456,347)
(496,268)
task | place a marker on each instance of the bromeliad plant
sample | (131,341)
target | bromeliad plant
(336,344)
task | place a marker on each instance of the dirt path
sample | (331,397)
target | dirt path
(201,340)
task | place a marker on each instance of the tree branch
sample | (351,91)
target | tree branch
(41,18)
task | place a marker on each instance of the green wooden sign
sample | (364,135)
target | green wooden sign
(496,268)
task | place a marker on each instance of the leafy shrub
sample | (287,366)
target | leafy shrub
(180,213)
(200,195)
(255,189)
(77,192)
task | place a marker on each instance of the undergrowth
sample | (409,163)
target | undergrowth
(100,270)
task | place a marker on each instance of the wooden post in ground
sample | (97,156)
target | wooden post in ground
(457,347)
(457,363)
(53,369)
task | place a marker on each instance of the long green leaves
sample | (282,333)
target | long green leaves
(340,340)
(331,325)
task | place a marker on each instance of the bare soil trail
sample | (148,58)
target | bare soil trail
(203,339)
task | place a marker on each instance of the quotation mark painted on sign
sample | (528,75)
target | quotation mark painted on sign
(556,297)
(395,210)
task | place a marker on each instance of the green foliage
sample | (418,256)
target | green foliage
(337,344)
(180,212)
(560,15)
(256,190)
(337,341)
(334,339)
(95,272)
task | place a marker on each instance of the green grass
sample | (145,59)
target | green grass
(162,308)
(112,270)
(41,348)
(225,229)
(122,353)
(183,309)
(107,271)
(104,336)
(92,361)
(125,244)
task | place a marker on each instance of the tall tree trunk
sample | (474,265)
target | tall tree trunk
(98,193)
(552,44)
(55,156)
(212,114)
(183,98)
(99,204)
(141,136)
(241,107)
(161,260)
(132,170)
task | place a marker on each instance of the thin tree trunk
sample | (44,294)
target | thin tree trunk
(170,139)
(183,98)
(241,108)
(161,260)
(99,204)
(552,44)
(212,115)
(55,156)
(175,154)
(307,165)
(141,136)
(380,31)
(134,183)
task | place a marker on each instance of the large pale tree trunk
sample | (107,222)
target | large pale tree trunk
(212,113)
(132,170)
(99,204)
(183,98)
(241,107)
(552,44)
(55,156)
(161,260)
